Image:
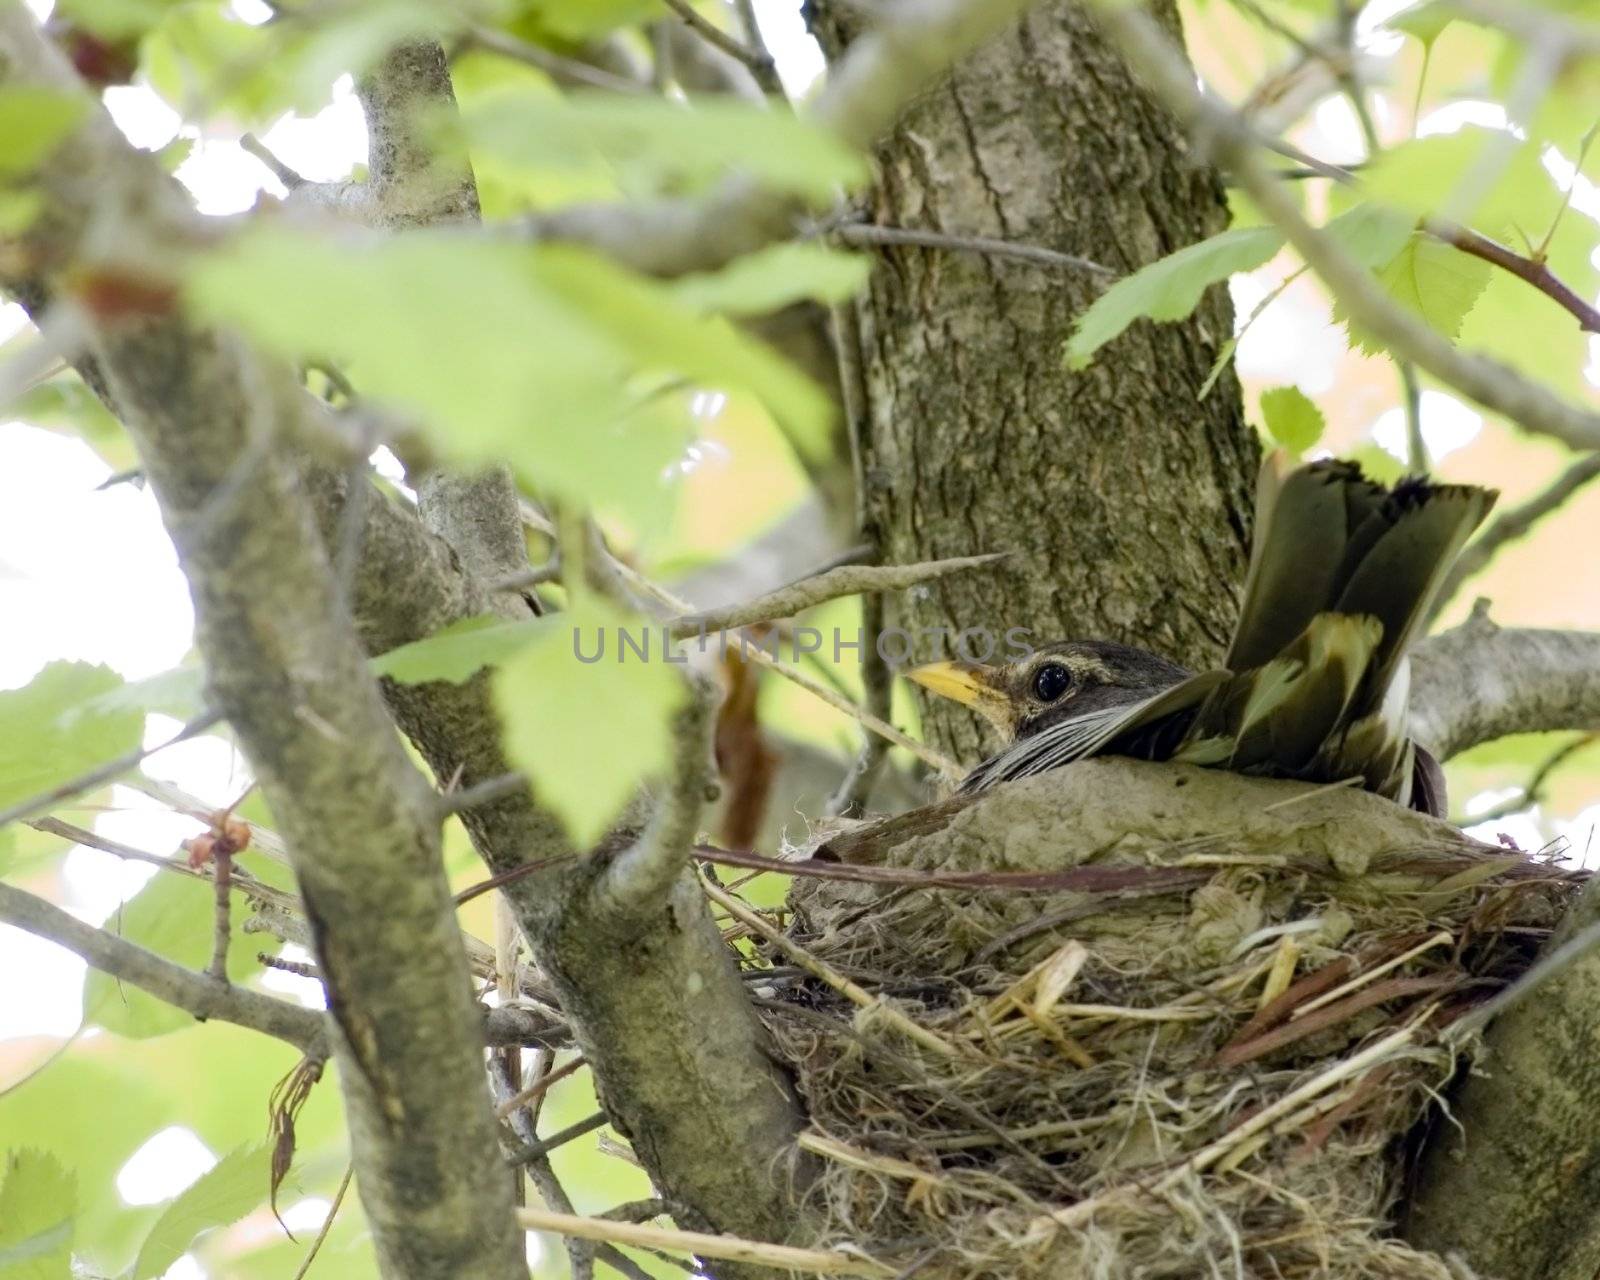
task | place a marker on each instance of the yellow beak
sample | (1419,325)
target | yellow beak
(970,684)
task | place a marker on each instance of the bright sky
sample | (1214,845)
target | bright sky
(88,573)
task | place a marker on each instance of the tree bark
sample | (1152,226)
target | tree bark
(1124,498)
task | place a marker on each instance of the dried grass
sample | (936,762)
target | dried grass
(1224,1080)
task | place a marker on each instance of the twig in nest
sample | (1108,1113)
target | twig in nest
(851,991)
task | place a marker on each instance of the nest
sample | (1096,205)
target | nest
(1207,1050)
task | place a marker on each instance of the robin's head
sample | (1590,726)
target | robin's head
(1063,679)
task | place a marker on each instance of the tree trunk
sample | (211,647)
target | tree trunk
(1123,497)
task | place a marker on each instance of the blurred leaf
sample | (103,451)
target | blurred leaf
(1533,333)
(178,693)
(1371,233)
(235,1185)
(114,19)
(38,1202)
(1432,278)
(1379,464)
(51,730)
(1431,176)
(762,282)
(1292,419)
(65,403)
(661,142)
(459,651)
(33,122)
(586,717)
(203,57)
(579,20)
(173,916)
(472,335)
(1169,288)
(1520,750)
(645,319)
(1425,22)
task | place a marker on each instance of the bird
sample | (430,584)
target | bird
(1343,574)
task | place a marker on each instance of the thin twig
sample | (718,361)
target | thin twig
(772,84)
(757,59)
(851,991)
(847,580)
(1514,524)
(102,774)
(252,145)
(327,1223)
(1534,272)
(559,68)
(538,1150)
(1488,383)
(221,931)
(702,1244)
(869,234)
(1531,793)
(539,1087)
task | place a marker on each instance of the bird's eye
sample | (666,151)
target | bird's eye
(1051,681)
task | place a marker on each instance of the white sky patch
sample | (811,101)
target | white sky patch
(90,574)
(1455,115)
(185,1268)
(307,1215)
(144,118)
(1340,140)
(1447,425)
(324,147)
(1523,828)
(798,56)
(1289,342)
(50,1002)
(164,1166)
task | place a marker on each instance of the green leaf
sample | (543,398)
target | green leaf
(459,651)
(1432,278)
(659,143)
(202,57)
(51,730)
(1439,175)
(1371,233)
(586,716)
(1292,419)
(474,337)
(173,916)
(179,693)
(33,122)
(580,20)
(38,1201)
(643,317)
(229,1190)
(1169,288)
(762,282)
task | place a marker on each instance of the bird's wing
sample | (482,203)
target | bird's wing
(1079,737)
(1304,523)
(1399,561)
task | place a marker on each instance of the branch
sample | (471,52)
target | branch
(758,60)
(1478,682)
(285,668)
(201,995)
(866,91)
(646,871)
(1514,524)
(847,580)
(1538,274)
(564,71)
(871,234)
(1495,386)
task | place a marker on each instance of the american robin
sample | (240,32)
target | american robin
(1343,572)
